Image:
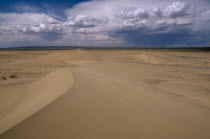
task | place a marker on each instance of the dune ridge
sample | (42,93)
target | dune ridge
(26,100)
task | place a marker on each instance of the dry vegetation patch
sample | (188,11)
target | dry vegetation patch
(3,78)
(13,76)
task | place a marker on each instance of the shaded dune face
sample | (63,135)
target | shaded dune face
(113,94)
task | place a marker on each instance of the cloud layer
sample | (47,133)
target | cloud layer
(113,23)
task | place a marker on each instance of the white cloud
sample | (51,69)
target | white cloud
(23,18)
(113,18)
(177,9)
(83,21)
(101,37)
(41,28)
(156,12)
(137,13)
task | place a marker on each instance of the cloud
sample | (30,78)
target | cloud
(156,12)
(41,28)
(177,9)
(125,22)
(134,14)
(83,21)
(101,37)
(174,22)
(206,15)
(23,18)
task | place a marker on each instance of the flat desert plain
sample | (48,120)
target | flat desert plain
(105,94)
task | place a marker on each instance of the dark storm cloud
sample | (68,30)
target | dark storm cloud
(182,37)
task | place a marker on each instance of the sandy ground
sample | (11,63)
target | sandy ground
(104,94)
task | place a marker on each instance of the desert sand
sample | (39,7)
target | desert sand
(104,94)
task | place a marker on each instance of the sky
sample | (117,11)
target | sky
(105,23)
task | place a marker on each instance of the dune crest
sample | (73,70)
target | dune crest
(26,100)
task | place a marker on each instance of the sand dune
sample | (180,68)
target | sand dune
(21,101)
(110,94)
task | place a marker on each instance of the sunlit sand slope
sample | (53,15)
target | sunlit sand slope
(19,102)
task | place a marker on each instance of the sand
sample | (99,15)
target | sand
(105,94)
(22,101)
